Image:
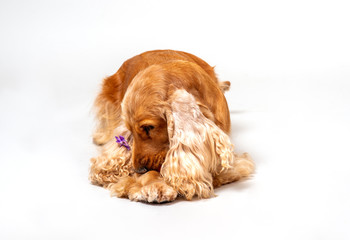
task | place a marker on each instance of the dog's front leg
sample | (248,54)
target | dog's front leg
(149,187)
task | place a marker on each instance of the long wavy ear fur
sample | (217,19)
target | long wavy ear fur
(114,161)
(198,148)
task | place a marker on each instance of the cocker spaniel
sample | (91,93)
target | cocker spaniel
(162,129)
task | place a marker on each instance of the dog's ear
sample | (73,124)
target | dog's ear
(115,162)
(198,148)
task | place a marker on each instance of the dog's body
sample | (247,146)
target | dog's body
(170,107)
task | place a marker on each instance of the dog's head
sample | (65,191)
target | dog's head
(143,110)
(150,141)
(170,132)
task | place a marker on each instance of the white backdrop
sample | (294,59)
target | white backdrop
(288,62)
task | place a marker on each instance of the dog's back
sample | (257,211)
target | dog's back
(114,87)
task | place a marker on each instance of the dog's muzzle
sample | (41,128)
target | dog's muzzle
(141,170)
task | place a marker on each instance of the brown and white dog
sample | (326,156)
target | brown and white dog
(170,108)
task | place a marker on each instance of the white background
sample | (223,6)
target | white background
(288,62)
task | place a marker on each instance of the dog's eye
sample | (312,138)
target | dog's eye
(147,128)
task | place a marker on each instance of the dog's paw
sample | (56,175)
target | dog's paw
(122,188)
(156,192)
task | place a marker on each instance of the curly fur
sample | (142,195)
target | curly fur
(198,149)
(170,107)
(114,161)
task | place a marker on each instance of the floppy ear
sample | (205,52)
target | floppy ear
(115,160)
(198,148)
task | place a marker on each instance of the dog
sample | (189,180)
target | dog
(162,129)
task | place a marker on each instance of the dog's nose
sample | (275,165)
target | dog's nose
(141,170)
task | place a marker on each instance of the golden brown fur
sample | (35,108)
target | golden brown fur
(171,108)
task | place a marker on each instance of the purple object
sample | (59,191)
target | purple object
(122,142)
